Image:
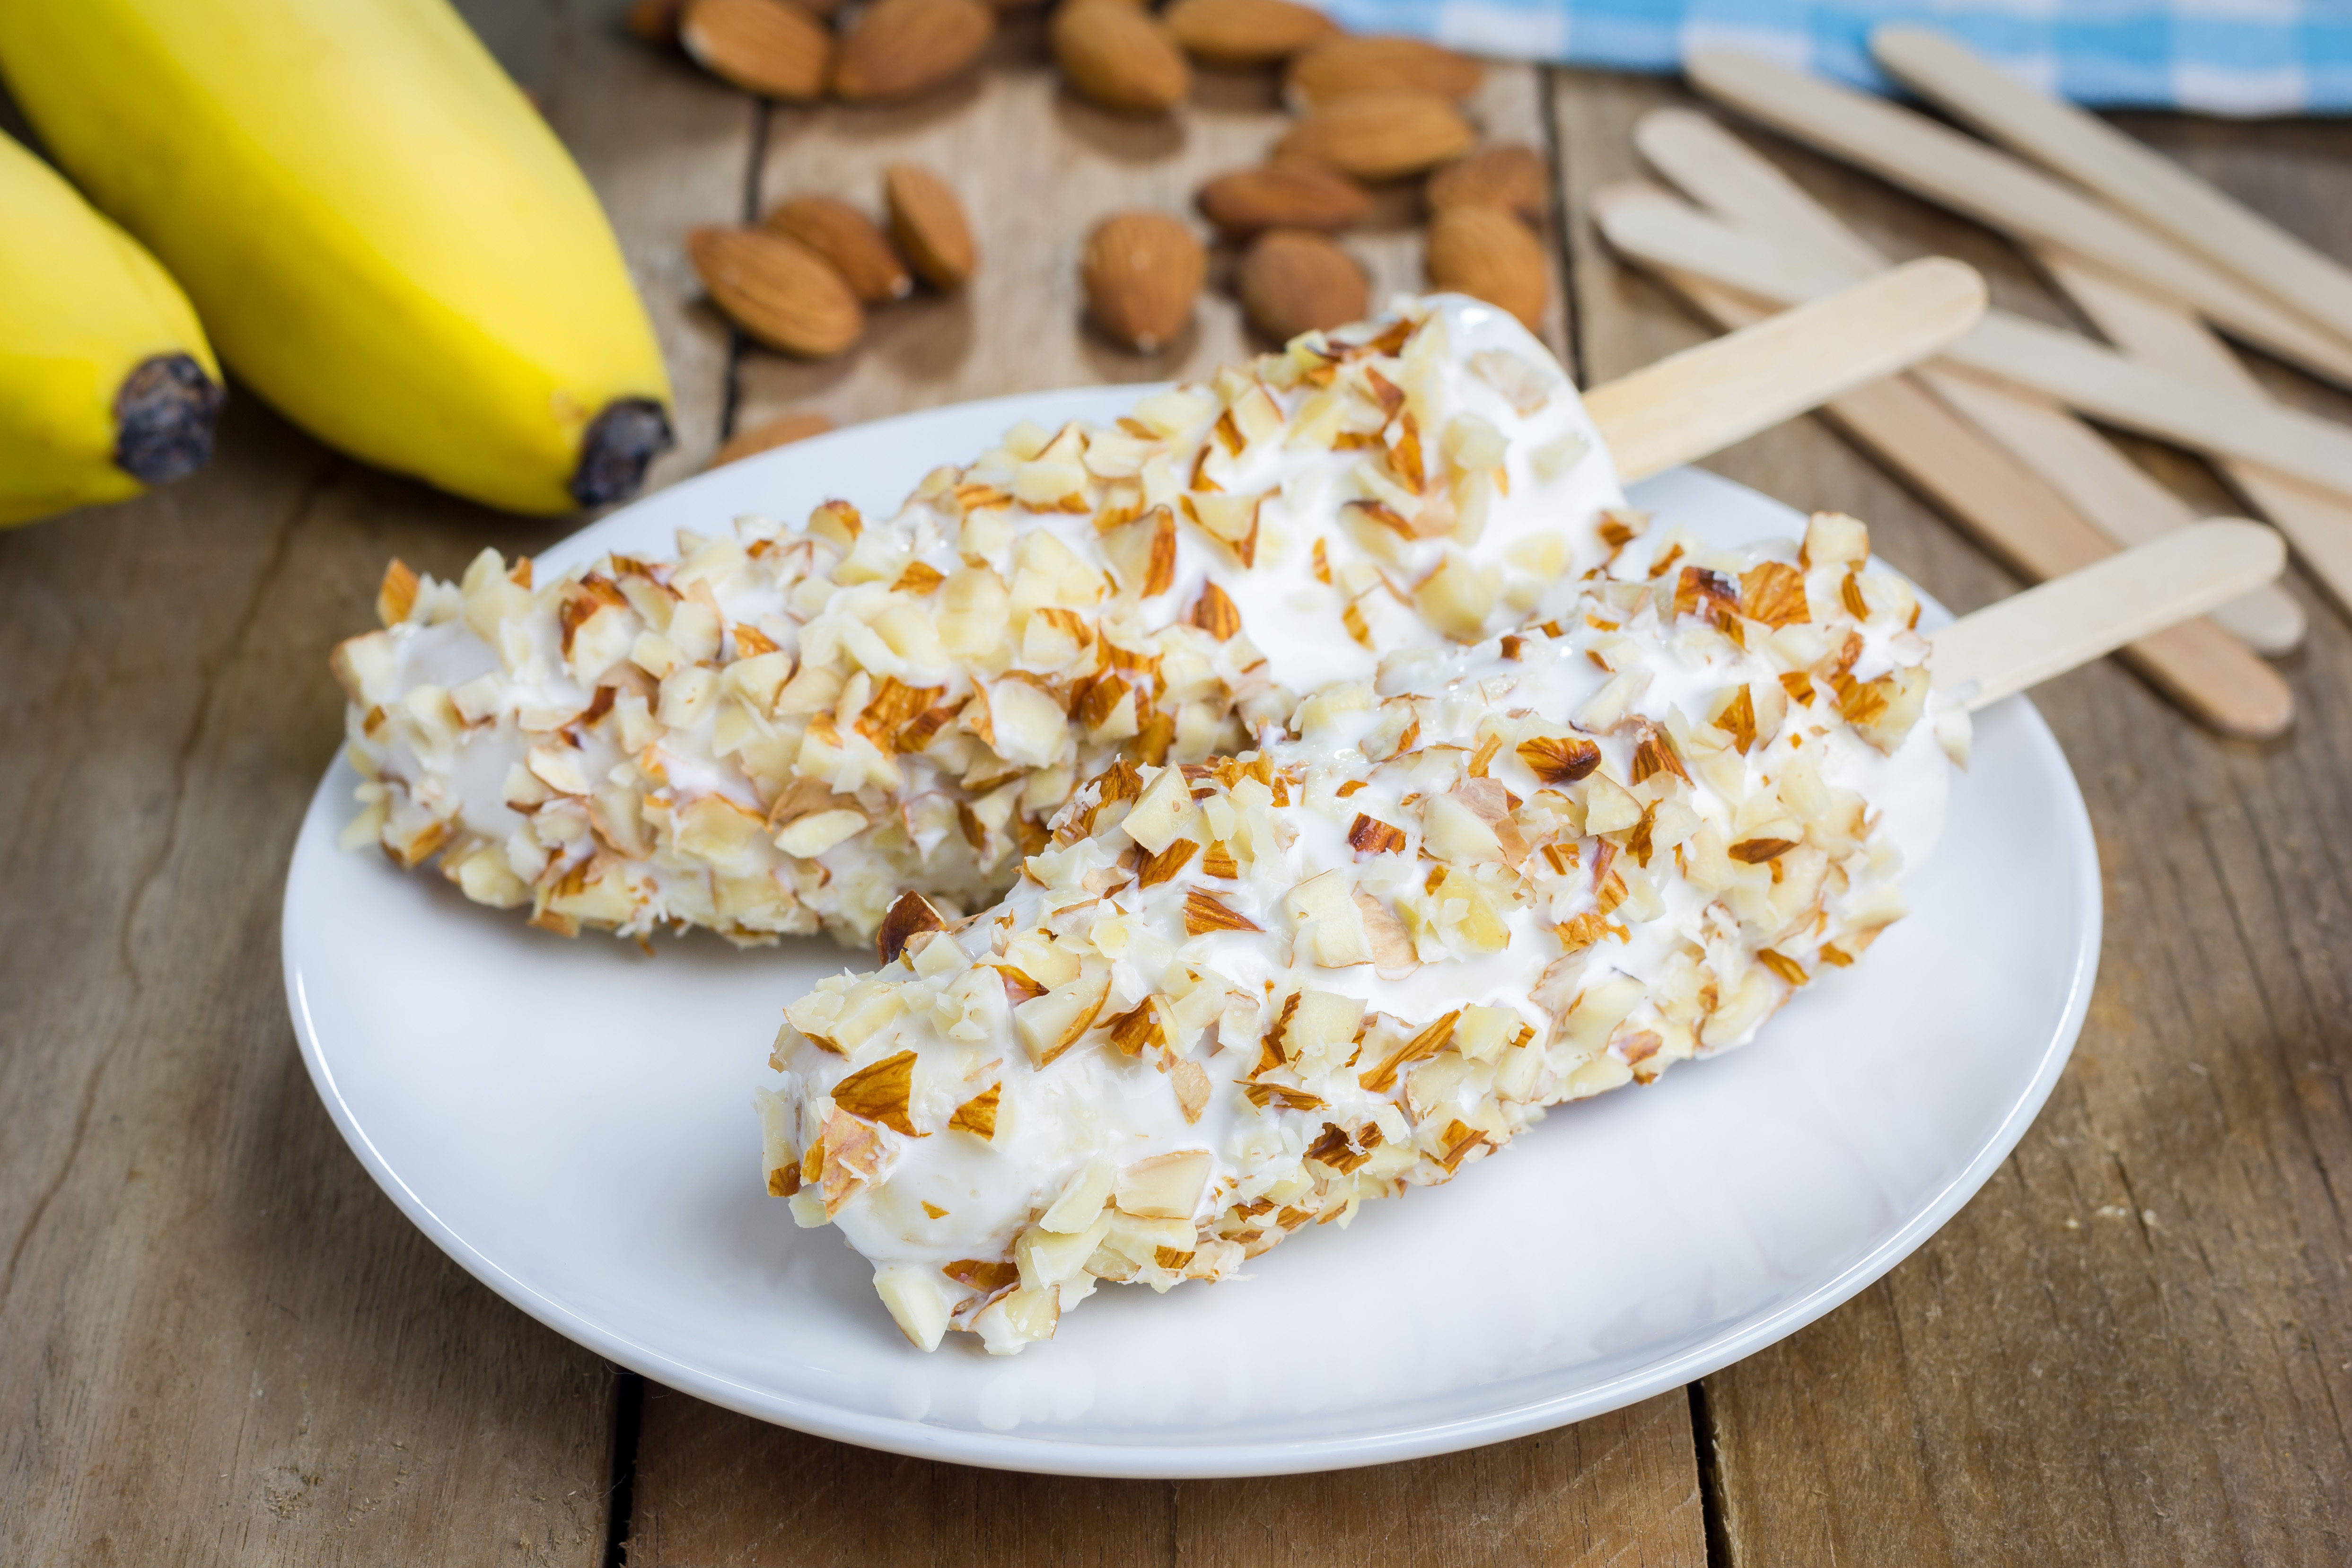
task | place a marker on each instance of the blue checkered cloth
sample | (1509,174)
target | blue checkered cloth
(2218,57)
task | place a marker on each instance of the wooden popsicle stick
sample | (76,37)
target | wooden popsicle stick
(2013,512)
(1647,223)
(1717,170)
(1991,186)
(2118,496)
(2145,183)
(1703,400)
(2070,621)
(2318,526)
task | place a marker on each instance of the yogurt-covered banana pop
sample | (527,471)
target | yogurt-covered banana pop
(1232,998)
(786,726)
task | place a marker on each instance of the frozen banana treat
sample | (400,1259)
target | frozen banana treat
(790,723)
(1232,998)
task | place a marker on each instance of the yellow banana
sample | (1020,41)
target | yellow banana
(380,232)
(107,385)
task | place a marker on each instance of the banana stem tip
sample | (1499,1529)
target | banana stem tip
(164,415)
(621,442)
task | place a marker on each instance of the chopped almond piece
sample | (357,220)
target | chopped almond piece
(1203,915)
(911,915)
(1559,760)
(1166,863)
(879,1092)
(977,1115)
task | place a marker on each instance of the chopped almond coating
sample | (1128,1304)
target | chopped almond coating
(1445,900)
(785,728)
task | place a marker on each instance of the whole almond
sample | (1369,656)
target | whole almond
(900,48)
(777,289)
(1247,32)
(1342,67)
(1509,175)
(1142,272)
(1120,57)
(1489,254)
(768,46)
(928,224)
(1379,135)
(852,243)
(1294,196)
(1292,281)
(769,434)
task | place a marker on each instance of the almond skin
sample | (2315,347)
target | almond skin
(769,434)
(1142,272)
(1292,281)
(655,21)
(1379,135)
(777,289)
(1489,254)
(902,49)
(1294,196)
(1247,32)
(1343,68)
(928,224)
(1118,57)
(1510,176)
(768,46)
(850,242)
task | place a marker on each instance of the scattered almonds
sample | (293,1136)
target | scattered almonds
(769,47)
(1506,176)
(927,222)
(1382,135)
(1118,56)
(1247,32)
(777,289)
(903,48)
(1487,253)
(1346,68)
(1141,271)
(1293,281)
(768,435)
(1293,195)
(849,240)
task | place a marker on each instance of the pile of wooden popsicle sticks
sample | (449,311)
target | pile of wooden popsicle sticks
(1994,429)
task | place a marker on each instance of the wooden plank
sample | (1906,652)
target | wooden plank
(714,1488)
(1036,169)
(218,1341)
(2135,1345)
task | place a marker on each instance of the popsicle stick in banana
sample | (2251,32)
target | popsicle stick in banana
(1724,391)
(2070,621)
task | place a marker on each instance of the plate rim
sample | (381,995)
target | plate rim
(1162,1460)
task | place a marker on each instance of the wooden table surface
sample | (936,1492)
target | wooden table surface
(220,1343)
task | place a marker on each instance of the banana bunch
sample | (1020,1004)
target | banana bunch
(380,233)
(107,385)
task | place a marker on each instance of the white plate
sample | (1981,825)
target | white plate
(572,1121)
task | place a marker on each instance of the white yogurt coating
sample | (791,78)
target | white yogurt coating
(787,726)
(1491,879)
